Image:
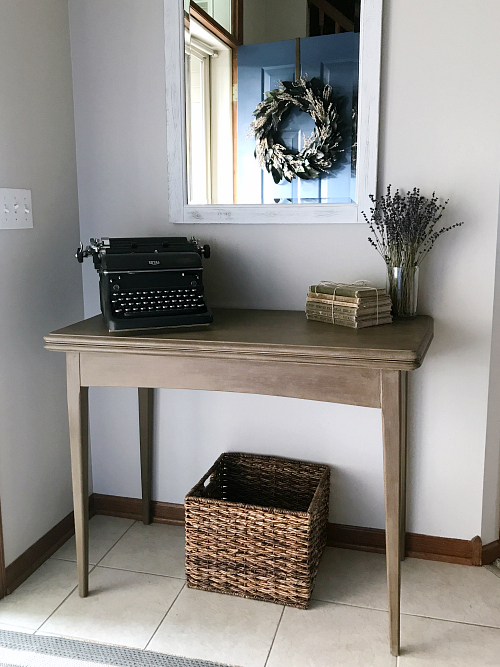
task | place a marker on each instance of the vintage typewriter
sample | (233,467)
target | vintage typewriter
(149,282)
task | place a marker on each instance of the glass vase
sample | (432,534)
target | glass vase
(402,285)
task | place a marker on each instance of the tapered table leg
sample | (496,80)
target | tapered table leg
(391,426)
(79,445)
(3,583)
(146,410)
(403,438)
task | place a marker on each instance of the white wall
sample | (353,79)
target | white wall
(439,131)
(429,137)
(491,488)
(274,20)
(40,281)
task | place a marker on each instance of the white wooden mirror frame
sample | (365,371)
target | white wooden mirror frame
(368,120)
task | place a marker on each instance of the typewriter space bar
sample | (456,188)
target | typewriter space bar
(164,313)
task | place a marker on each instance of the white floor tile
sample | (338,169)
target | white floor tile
(122,608)
(346,625)
(450,592)
(430,643)
(222,628)
(155,549)
(16,628)
(494,569)
(104,532)
(352,577)
(33,602)
(328,635)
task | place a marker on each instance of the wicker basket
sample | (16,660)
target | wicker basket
(256,528)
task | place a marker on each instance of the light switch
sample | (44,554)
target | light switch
(15,209)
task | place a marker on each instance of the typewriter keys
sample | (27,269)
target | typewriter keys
(150,282)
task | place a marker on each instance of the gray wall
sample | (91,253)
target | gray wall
(432,137)
(274,20)
(40,281)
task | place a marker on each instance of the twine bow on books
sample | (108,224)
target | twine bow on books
(358,284)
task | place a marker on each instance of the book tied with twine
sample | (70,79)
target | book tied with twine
(356,305)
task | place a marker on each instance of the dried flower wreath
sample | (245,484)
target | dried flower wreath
(321,150)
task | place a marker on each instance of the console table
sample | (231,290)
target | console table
(277,353)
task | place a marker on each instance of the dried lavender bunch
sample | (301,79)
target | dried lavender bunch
(404,226)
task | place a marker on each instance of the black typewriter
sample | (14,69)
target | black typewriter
(149,282)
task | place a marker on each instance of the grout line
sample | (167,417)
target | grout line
(274,637)
(154,574)
(404,613)
(115,543)
(61,603)
(349,604)
(9,627)
(73,560)
(164,617)
(448,620)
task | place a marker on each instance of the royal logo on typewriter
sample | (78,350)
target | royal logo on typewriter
(134,297)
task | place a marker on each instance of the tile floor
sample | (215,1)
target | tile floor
(451,613)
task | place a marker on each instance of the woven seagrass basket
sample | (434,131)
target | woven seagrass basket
(256,528)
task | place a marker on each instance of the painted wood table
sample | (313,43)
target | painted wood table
(277,353)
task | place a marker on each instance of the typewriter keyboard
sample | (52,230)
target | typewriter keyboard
(147,303)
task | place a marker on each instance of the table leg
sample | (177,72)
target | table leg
(78,412)
(3,583)
(402,518)
(391,426)
(146,410)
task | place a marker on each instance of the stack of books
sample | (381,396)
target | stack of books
(348,305)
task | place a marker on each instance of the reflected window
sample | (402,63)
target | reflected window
(209,117)
(219,11)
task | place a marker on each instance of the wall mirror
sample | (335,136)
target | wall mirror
(306,73)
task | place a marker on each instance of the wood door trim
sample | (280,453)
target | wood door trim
(215,28)
(237,20)
(234,119)
(334,13)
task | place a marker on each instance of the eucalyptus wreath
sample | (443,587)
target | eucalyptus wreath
(321,150)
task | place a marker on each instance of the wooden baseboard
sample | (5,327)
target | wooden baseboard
(491,552)
(354,537)
(29,561)
(428,547)
(465,552)
(32,558)
(131,508)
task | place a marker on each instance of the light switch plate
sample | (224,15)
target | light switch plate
(15,209)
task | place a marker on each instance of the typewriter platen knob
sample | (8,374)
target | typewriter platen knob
(80,253)
(206,251)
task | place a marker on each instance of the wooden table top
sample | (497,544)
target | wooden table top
(275,335)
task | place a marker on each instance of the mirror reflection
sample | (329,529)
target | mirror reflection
(271,101)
